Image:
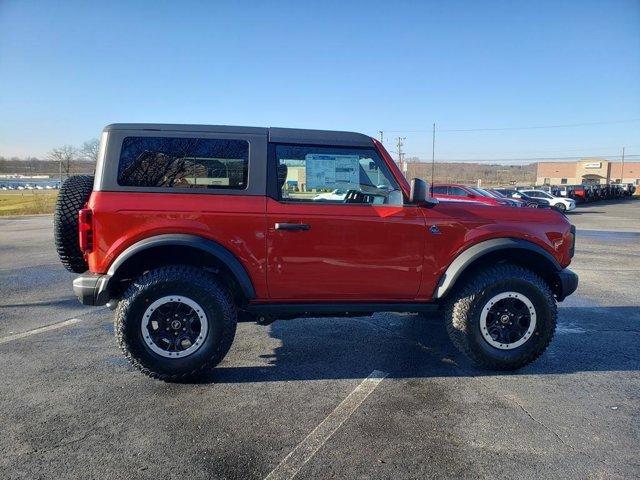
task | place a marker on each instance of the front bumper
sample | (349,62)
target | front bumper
(566,284)
(91,288)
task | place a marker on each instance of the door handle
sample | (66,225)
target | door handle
(292,226)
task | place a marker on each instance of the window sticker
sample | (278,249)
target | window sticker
(333,171)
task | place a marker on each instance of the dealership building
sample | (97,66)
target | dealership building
(588,171)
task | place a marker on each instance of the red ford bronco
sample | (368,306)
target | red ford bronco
(186,228)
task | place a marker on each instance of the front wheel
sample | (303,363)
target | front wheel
(502,318)
(561,207)
(176,322)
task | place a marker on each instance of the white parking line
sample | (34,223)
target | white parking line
(305,450)
(35,331)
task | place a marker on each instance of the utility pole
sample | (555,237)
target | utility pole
(433,155)
(381,136)
(403,166)
(622,172)
(400,143)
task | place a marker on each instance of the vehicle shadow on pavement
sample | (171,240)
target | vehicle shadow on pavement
(70,303)
(408,346)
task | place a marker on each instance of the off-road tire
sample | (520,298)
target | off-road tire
(72,197)
(196,284)
(463,310)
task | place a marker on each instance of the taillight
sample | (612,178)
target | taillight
(85,230)
(572,249)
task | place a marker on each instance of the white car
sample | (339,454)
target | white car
(559,203)
(333,195)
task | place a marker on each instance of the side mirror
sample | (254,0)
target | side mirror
(420,194)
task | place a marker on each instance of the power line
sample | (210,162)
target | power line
(531,160)
(533,127)
(566,125)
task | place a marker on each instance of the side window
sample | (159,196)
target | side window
(532,194)
(457,191)
(183,163)
(441,190)
(334,175)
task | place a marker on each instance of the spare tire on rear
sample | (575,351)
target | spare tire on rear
(72,197)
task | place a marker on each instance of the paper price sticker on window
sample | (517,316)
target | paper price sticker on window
(333,171)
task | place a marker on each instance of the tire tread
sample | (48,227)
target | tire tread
(73,195)
(460,307)
(188,274)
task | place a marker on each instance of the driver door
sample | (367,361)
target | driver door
(337,228)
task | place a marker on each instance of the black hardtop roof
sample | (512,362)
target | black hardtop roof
(274,134)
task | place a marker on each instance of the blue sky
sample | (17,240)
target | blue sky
(69,68)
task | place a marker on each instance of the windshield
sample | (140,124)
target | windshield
(544,194)
(482,192)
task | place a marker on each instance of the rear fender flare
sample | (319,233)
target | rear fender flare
(192,241)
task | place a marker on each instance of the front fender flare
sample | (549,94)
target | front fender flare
(473,253)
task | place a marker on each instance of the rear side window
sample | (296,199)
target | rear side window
(174,162)
(440,190)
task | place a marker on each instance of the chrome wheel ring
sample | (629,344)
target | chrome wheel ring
(507,320)
(174,326)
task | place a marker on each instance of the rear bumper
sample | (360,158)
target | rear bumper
(91,289)
(566,283)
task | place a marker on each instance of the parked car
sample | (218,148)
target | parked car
(183,237)
(519,200)
(559,203)
(531,202)
(453,191)
(335,194)
(512,202)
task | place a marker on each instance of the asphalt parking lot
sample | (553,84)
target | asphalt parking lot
(294,397)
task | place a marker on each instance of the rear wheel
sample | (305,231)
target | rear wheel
(502,318)
(174,323)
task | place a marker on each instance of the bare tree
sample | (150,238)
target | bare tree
(64,156)
(89,150)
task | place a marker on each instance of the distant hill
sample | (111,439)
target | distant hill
(35,166)
(469,173)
